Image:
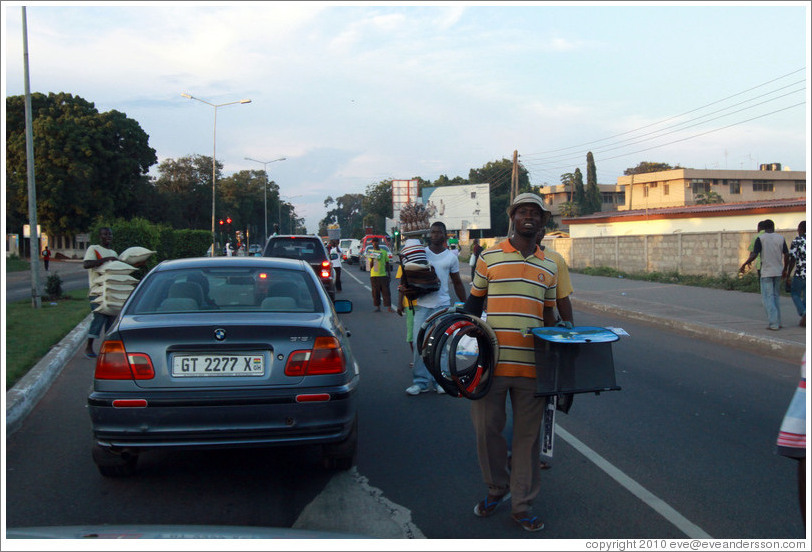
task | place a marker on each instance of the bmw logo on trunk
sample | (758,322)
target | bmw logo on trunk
(219,334)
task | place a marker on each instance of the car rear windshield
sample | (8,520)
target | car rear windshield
(308,250)
(242,289)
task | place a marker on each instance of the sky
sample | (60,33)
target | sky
(355,93)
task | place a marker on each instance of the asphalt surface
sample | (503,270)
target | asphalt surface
(728,317)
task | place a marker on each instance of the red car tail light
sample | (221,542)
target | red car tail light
(141,365)
(114,363)
(325,269)
(326,357)
(297,363)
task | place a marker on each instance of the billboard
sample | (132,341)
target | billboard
(461,207)
(403,193)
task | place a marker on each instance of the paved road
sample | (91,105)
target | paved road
(689,427)
(18,284)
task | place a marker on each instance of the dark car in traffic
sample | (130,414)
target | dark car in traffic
(225,352)
(309,249)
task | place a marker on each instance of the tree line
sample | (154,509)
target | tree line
(90,166)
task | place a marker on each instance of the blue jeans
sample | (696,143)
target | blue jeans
(99,321)
(420,374)
(798,293)
(770,293)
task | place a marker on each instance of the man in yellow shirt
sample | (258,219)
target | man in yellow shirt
(378,260)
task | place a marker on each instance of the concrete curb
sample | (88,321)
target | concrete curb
(786,350)
(26,393)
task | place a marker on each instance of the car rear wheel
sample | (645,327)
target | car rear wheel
(114,463)
(341,455)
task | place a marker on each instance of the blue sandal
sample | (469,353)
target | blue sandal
(528,522)
(487,507)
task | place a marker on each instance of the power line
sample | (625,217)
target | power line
(670,118)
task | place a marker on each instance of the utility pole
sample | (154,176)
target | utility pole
(514,187)
(36,300)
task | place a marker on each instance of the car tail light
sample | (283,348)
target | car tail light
(325,269)
(326,357)
(114,363)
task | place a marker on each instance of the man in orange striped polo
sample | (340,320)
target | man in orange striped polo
(519,283)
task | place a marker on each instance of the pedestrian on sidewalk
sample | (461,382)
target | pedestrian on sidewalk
(519,283)
(95,256)
(773,250)
(759,232)
(797,260)
(378,265)
(46,257)
(447,267)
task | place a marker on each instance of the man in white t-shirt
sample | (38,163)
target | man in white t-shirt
(95,256)
(447,267)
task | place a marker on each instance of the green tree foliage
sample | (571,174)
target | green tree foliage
(707,198)
(347,213)
(569,209)
(167,243)
(593,202)
(86,164)
(578,184)
(443,180)
(648,167)
(377,205)
(241,198)
(184,188)
(568,181)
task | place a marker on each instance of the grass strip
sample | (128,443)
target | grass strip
(30,332)
(747,283)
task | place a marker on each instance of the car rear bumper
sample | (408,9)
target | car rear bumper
(212,419)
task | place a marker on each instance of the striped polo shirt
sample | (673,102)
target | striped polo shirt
(517,290)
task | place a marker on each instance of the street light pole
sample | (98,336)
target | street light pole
(214,158)
(265,190)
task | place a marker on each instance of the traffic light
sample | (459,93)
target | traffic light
(228,220)
(221,222)
(396,232)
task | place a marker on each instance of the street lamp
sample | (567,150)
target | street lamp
(265,168)
(213,158)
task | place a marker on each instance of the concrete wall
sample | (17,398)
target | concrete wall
(701,253)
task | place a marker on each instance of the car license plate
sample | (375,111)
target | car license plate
(218,365)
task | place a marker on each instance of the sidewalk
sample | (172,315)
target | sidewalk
(731,318)
(728,317)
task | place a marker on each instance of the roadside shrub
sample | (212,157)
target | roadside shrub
(191,243)
(53,286)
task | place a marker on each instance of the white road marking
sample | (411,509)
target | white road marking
(647,497)
(343,272)
(658,505)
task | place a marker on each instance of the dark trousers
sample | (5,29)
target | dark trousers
(338,277)
(380,286)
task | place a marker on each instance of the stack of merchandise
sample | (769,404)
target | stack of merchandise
(414,216)
(112,282)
